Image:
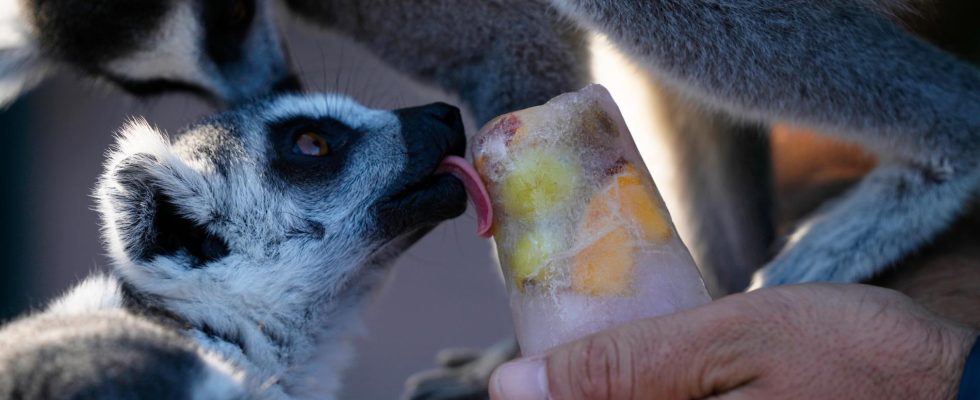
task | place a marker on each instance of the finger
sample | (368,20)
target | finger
(694,354)
(522,379)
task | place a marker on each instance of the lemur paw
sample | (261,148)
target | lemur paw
(461,374)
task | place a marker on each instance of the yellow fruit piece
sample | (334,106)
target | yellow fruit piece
(605,267)
(539,181)
(529,255)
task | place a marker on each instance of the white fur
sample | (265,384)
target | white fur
(102,293)
(221,378)
(97,293)
(338,106)
(173,51)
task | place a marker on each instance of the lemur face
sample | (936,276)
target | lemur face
(284,207)
(226,50)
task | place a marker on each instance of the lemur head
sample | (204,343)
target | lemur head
(224,50)
(274,220)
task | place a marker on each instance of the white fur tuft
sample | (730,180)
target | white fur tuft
(97,293)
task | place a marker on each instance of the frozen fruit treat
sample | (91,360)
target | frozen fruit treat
(583,236)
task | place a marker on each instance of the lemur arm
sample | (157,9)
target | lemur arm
(498,55)
(840,66)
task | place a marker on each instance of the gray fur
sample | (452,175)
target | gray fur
(105,355)
(845,67)
(230,274)
(497,55)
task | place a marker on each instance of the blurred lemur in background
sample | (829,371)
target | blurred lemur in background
(231,50)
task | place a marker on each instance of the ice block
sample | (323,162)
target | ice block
(582,234)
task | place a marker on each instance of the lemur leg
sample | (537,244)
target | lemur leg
(498,56)
(724,184)
(837,66)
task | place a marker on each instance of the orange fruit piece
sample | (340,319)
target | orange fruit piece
(632,201)
(636,202)
(605,268)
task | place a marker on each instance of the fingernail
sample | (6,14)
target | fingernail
(521,380)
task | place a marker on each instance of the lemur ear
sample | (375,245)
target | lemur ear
(143,200)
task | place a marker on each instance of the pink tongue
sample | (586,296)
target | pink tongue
(461,169)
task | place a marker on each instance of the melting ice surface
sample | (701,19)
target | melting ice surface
(583,236)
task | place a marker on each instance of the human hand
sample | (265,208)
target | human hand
(798,342)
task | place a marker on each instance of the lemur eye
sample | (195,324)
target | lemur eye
(311,144)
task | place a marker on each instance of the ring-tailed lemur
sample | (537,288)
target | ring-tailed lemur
(242,252)
(225,50)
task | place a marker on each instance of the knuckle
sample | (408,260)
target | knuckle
(602,371)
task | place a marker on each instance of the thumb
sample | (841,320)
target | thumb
(691,354)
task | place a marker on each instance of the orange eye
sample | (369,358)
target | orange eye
(311,144)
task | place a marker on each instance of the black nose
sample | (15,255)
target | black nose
(445,113)
(289,84)
(435,129)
